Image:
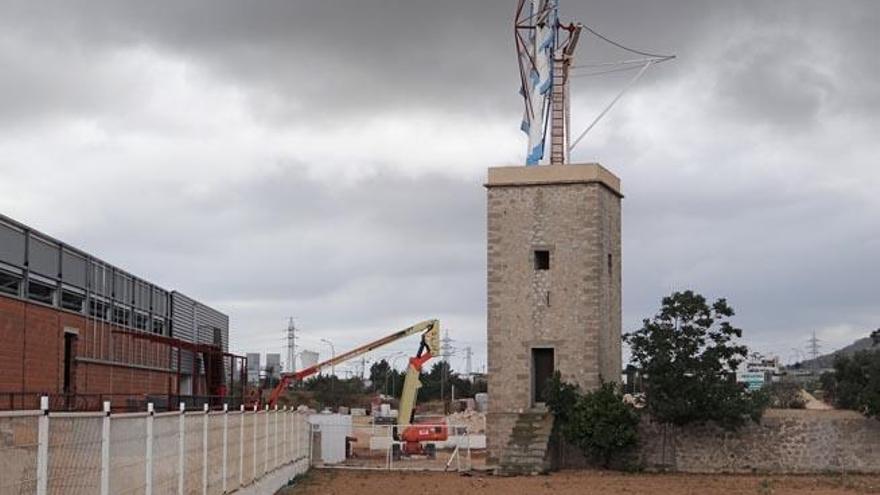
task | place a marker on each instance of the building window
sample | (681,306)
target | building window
(218,337)
(140,321)
(610,264)
(41,292)
(121,316)
(98,309)
(542,259)
(10,284)
(158,326)
(72,301)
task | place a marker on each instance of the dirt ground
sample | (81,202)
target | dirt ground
(346,482)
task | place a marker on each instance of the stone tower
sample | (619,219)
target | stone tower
(553,285)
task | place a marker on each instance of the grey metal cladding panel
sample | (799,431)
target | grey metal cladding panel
(99,278)
(191,318)
(210,317)
(73,268)
(43,257)
(182,317)
(11,245)
(122,287)
(141,295)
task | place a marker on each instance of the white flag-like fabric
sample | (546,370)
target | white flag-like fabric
(539,59)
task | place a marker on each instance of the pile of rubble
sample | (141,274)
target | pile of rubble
(473,420)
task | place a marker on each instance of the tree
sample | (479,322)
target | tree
(598,422)
(442,374)
(855,382)
(381,375)
(688,356)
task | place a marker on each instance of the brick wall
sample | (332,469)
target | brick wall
(32,354)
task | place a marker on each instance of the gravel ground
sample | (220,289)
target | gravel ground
(345,482)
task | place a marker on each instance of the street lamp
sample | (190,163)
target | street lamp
(332,356)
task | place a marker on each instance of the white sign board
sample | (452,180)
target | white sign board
(754,380)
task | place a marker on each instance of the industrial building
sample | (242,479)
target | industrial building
(75,326)
(253,367)
(273,365)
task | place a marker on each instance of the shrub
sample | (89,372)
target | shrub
(599,423)
(855,383)
(785,395)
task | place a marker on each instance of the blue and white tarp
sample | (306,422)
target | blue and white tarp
(537,60)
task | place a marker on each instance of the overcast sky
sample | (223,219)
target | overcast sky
(325,160)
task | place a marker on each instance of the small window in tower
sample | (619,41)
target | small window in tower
(610,264)
(542,259)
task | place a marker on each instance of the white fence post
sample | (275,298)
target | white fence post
(275,439)
(181,449)
(255,443)
(205,450)
(225,438)
(105,450)
(241,448)
(266,444)
(149,464)
(43,448)
(284,435)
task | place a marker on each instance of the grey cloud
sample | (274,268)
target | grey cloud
(285,237)
(340,256)
(774,80)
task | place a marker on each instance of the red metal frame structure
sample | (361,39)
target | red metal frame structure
(213,359)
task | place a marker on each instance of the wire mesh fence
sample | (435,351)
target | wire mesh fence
(166,453)
(75,467)
(18,454)
(147,453)
(128,458)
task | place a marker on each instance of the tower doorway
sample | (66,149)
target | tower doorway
(543,364)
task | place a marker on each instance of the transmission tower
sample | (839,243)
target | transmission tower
(291,345)
(446,348)
(813,345)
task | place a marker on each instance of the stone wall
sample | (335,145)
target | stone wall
(786,441)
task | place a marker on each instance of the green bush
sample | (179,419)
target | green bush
(599,423)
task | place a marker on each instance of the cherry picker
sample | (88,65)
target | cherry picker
(411,438)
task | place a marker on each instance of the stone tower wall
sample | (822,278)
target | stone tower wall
(572,211)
